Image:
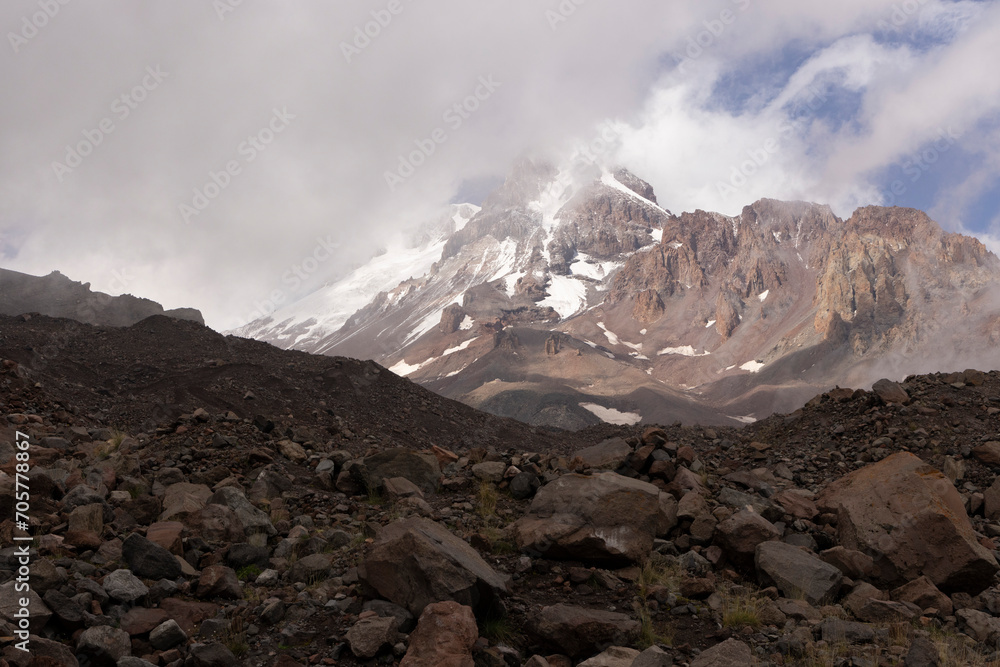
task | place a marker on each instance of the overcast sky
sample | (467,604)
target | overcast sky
(196,151)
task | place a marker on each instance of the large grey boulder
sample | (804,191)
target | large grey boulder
(797,573)
(604,518)
(578,631)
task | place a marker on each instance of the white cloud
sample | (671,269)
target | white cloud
(324,174)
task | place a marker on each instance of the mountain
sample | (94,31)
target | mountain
(572,296)
(55,295)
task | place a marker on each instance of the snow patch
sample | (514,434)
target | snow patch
(459,348)
(657,235)
(585,267)
(676,244)
(642,333)
(610,335)
(403,369)
(567,296)
(763,295)
(609,180)
(685,350)
(467,323)
(612,416)
(425,325)
(752,366)
(744,420)
(710,324)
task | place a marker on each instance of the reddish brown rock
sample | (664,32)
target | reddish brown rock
(140,620)
(168,535)
(444,637)
(188,614)
(796,504)
(923,593)
(912,520)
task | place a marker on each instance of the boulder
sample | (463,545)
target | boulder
(740,534)
(445,635)
(489,471)
(923,593)
(184,498)
(370,635)
(212,654)
(730,653)
(991,501)
(218,523)
(577,631)
(103,645)
(797,503)
(603,518)
(293,451)
(310,569)
(253,520)
(654,656)
(168,535)
(922,653)
(87,518)
(853,564)
(797,573)
(167,635)
(219,581)
(148,560)
(891,392)
(616,656)
(980,626)
(834,630)
(420,468)
(416,562)
(912,521)
(988,453)
(610,453)
(10,604)
(123,586)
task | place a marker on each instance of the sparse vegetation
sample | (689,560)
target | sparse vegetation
(235,638)
(486,500)
(658,571)
(740,607)
(499,630)
(248,572)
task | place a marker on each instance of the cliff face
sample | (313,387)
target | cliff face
(55,295)
(607,299)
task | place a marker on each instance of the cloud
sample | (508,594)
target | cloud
(842,98)
(836,118)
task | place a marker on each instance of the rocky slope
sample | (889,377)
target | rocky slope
(55,295)
(267,514)
(573,297)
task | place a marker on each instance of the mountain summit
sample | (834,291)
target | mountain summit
(570,299)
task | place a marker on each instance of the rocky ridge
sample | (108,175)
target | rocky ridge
(857,530)
(572,298)
(55,295)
